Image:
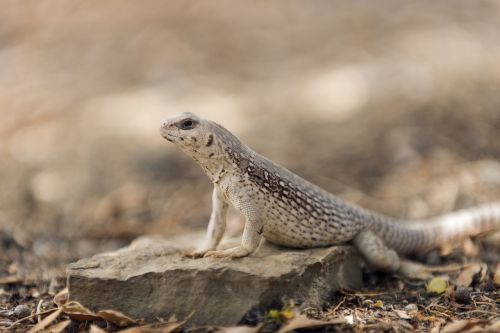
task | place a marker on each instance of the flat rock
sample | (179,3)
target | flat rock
(151,280)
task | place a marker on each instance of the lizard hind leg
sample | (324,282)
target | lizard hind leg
(380,257)
(376,254)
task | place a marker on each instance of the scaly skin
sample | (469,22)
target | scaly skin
(288,210)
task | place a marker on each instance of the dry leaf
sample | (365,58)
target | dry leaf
(457,326)
(45,322)
(302,321)
(61,297)
(240,329)
(466,277)
(59,327)
(496,277)
(437,286)
(401,325)
(168,327)
(155,328)
(349,319)
(95,329)
(495,327)
(476,329)
(402,314)
(445,249)
(287,314)
(11,279)
(436,328)
(274,314)
(116,318)
(484,272)
(77,311)
(450,291)
(470,249)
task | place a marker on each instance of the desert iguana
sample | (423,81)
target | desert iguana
(287,210)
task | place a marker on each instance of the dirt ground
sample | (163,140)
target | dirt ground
(392,106)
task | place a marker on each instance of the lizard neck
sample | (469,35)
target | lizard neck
(230,152)
(216,169)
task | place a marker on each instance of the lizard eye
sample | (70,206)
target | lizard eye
(187,124)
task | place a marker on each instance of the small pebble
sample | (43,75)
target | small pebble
(462,295)
(21,311)
(411,307)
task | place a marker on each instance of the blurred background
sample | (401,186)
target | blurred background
(392,105)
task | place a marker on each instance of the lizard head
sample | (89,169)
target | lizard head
(192,134)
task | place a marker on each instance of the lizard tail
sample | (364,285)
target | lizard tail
(466,222)
(422,236)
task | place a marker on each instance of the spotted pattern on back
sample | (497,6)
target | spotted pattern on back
(297,213)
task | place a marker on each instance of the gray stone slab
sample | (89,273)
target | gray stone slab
(151,279)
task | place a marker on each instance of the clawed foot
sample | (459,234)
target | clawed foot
(198,253)
(414,271)
(235,252)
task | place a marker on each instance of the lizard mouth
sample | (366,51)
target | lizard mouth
(169,137)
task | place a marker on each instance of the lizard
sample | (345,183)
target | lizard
(287,210)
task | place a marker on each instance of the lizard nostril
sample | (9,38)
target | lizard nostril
(166,124)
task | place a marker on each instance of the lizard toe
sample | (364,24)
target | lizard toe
(195,254)
(235,252)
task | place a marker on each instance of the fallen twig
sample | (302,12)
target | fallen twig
(39,309)
(32,316)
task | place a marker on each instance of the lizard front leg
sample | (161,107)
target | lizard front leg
(252,235)
(216,225)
